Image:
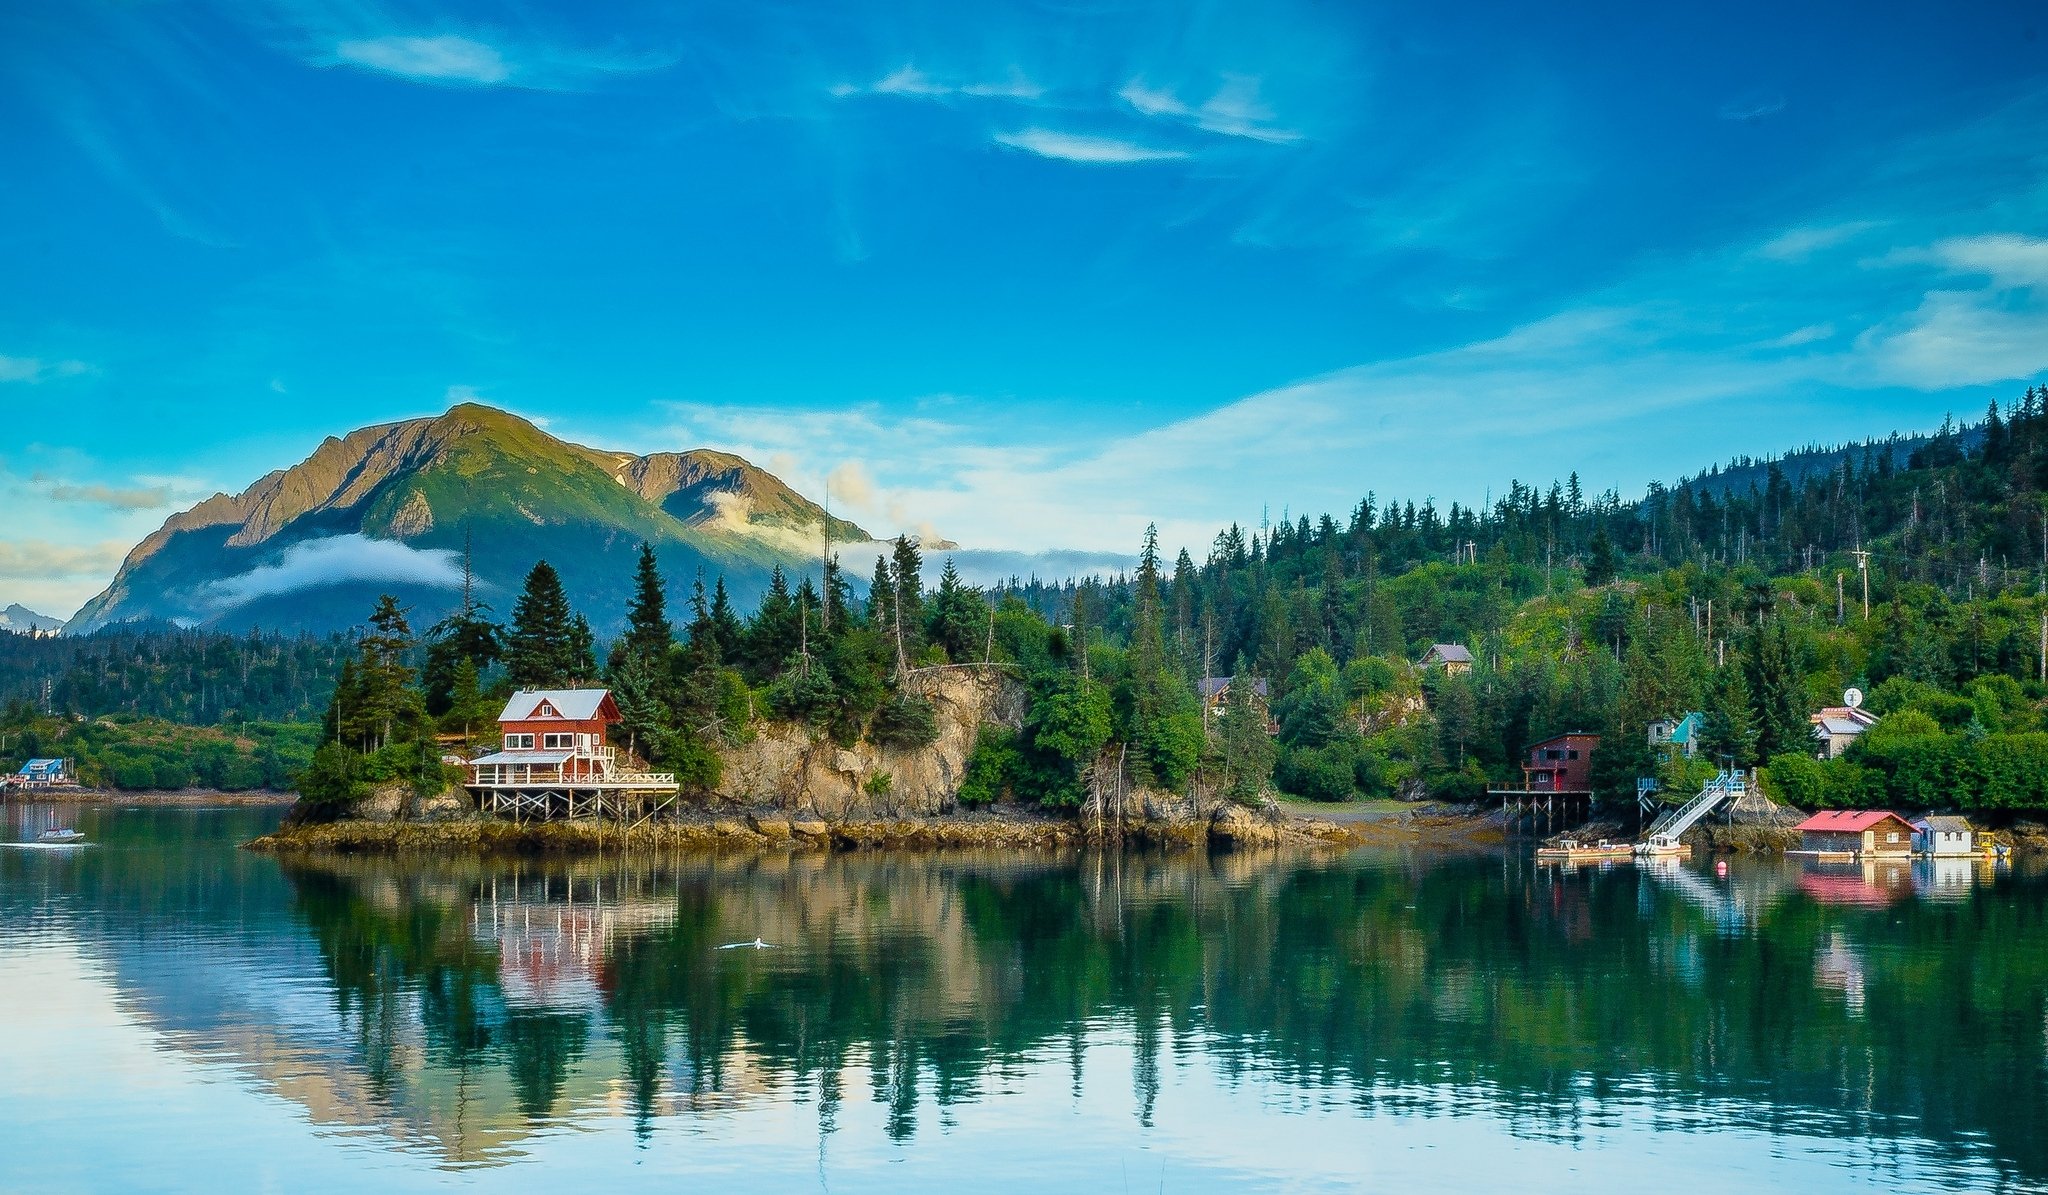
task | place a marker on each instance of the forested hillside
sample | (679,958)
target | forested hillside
(1583,612)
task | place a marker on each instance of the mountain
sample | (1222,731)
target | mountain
(19,618)
(392,508)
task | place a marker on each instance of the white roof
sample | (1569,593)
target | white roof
(575,705)
(533,757)
(1842,727)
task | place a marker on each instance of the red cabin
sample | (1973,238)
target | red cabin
(1561,765)
(554,732)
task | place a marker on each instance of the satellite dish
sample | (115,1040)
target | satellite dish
(1853,698)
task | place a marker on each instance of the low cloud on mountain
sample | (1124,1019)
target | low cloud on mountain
(337,560)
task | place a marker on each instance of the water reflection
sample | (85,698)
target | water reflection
(468,1011)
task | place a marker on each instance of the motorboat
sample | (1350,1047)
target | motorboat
(61,837)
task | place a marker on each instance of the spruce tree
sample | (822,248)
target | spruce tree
(539,653)
(725,623)
(648,634)
(1729,733)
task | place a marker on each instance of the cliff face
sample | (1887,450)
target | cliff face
(792,767)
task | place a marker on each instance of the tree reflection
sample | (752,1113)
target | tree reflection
(1414,987)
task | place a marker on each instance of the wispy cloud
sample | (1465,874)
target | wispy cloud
(445,59)
(909,82)
(35,559)
(1753,106)
(34,369)
(128,498)
(1965,337)
(1082,147)
(1234,110)
(1798,244)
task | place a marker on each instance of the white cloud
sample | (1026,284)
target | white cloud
(1810,334)
(124,498)
(849,484)
(38,560)
(459,393)
(33,369)
(1797,244)
(1235,110)
(908,82)
(337,560)
(2008,259)
(445,59)
(1079,147)
(1958,337)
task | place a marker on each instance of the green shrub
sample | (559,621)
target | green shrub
(991,766)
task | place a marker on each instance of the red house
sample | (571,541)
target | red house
(1561,765)
(1856,832)
(556,733)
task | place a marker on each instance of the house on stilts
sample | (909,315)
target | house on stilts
(553,763)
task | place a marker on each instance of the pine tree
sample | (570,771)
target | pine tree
(648,634)
(539,653)
(582,652)
(1729,733)
(382,675)
(774,635)
(1603,563)
(959,617)
(725,623)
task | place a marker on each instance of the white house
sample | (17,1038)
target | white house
(1942,836)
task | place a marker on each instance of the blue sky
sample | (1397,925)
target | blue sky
(1026,276)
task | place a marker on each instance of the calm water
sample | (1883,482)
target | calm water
(177,1014)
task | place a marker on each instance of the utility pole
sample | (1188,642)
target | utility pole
(1862,556)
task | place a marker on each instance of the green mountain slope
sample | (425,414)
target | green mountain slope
(391,508)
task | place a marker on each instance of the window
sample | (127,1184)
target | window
(1571,755)
(518,742)
(1892,837)
(558,742)
(1552,753)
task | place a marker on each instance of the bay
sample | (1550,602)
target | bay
(183,1015)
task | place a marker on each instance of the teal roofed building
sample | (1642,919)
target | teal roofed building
(1678,736)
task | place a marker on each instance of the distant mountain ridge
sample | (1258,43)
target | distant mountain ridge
(391,508)
(20,619)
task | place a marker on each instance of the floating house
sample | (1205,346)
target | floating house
(1856,833)
(1938,836)
(1454,659)
(553,762)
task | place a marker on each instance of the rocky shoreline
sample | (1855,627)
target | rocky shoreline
(1229,827)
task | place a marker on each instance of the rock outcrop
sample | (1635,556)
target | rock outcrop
(787,766)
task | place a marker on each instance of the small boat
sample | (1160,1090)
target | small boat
(1664,846)
(64,837)
(1572,851)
